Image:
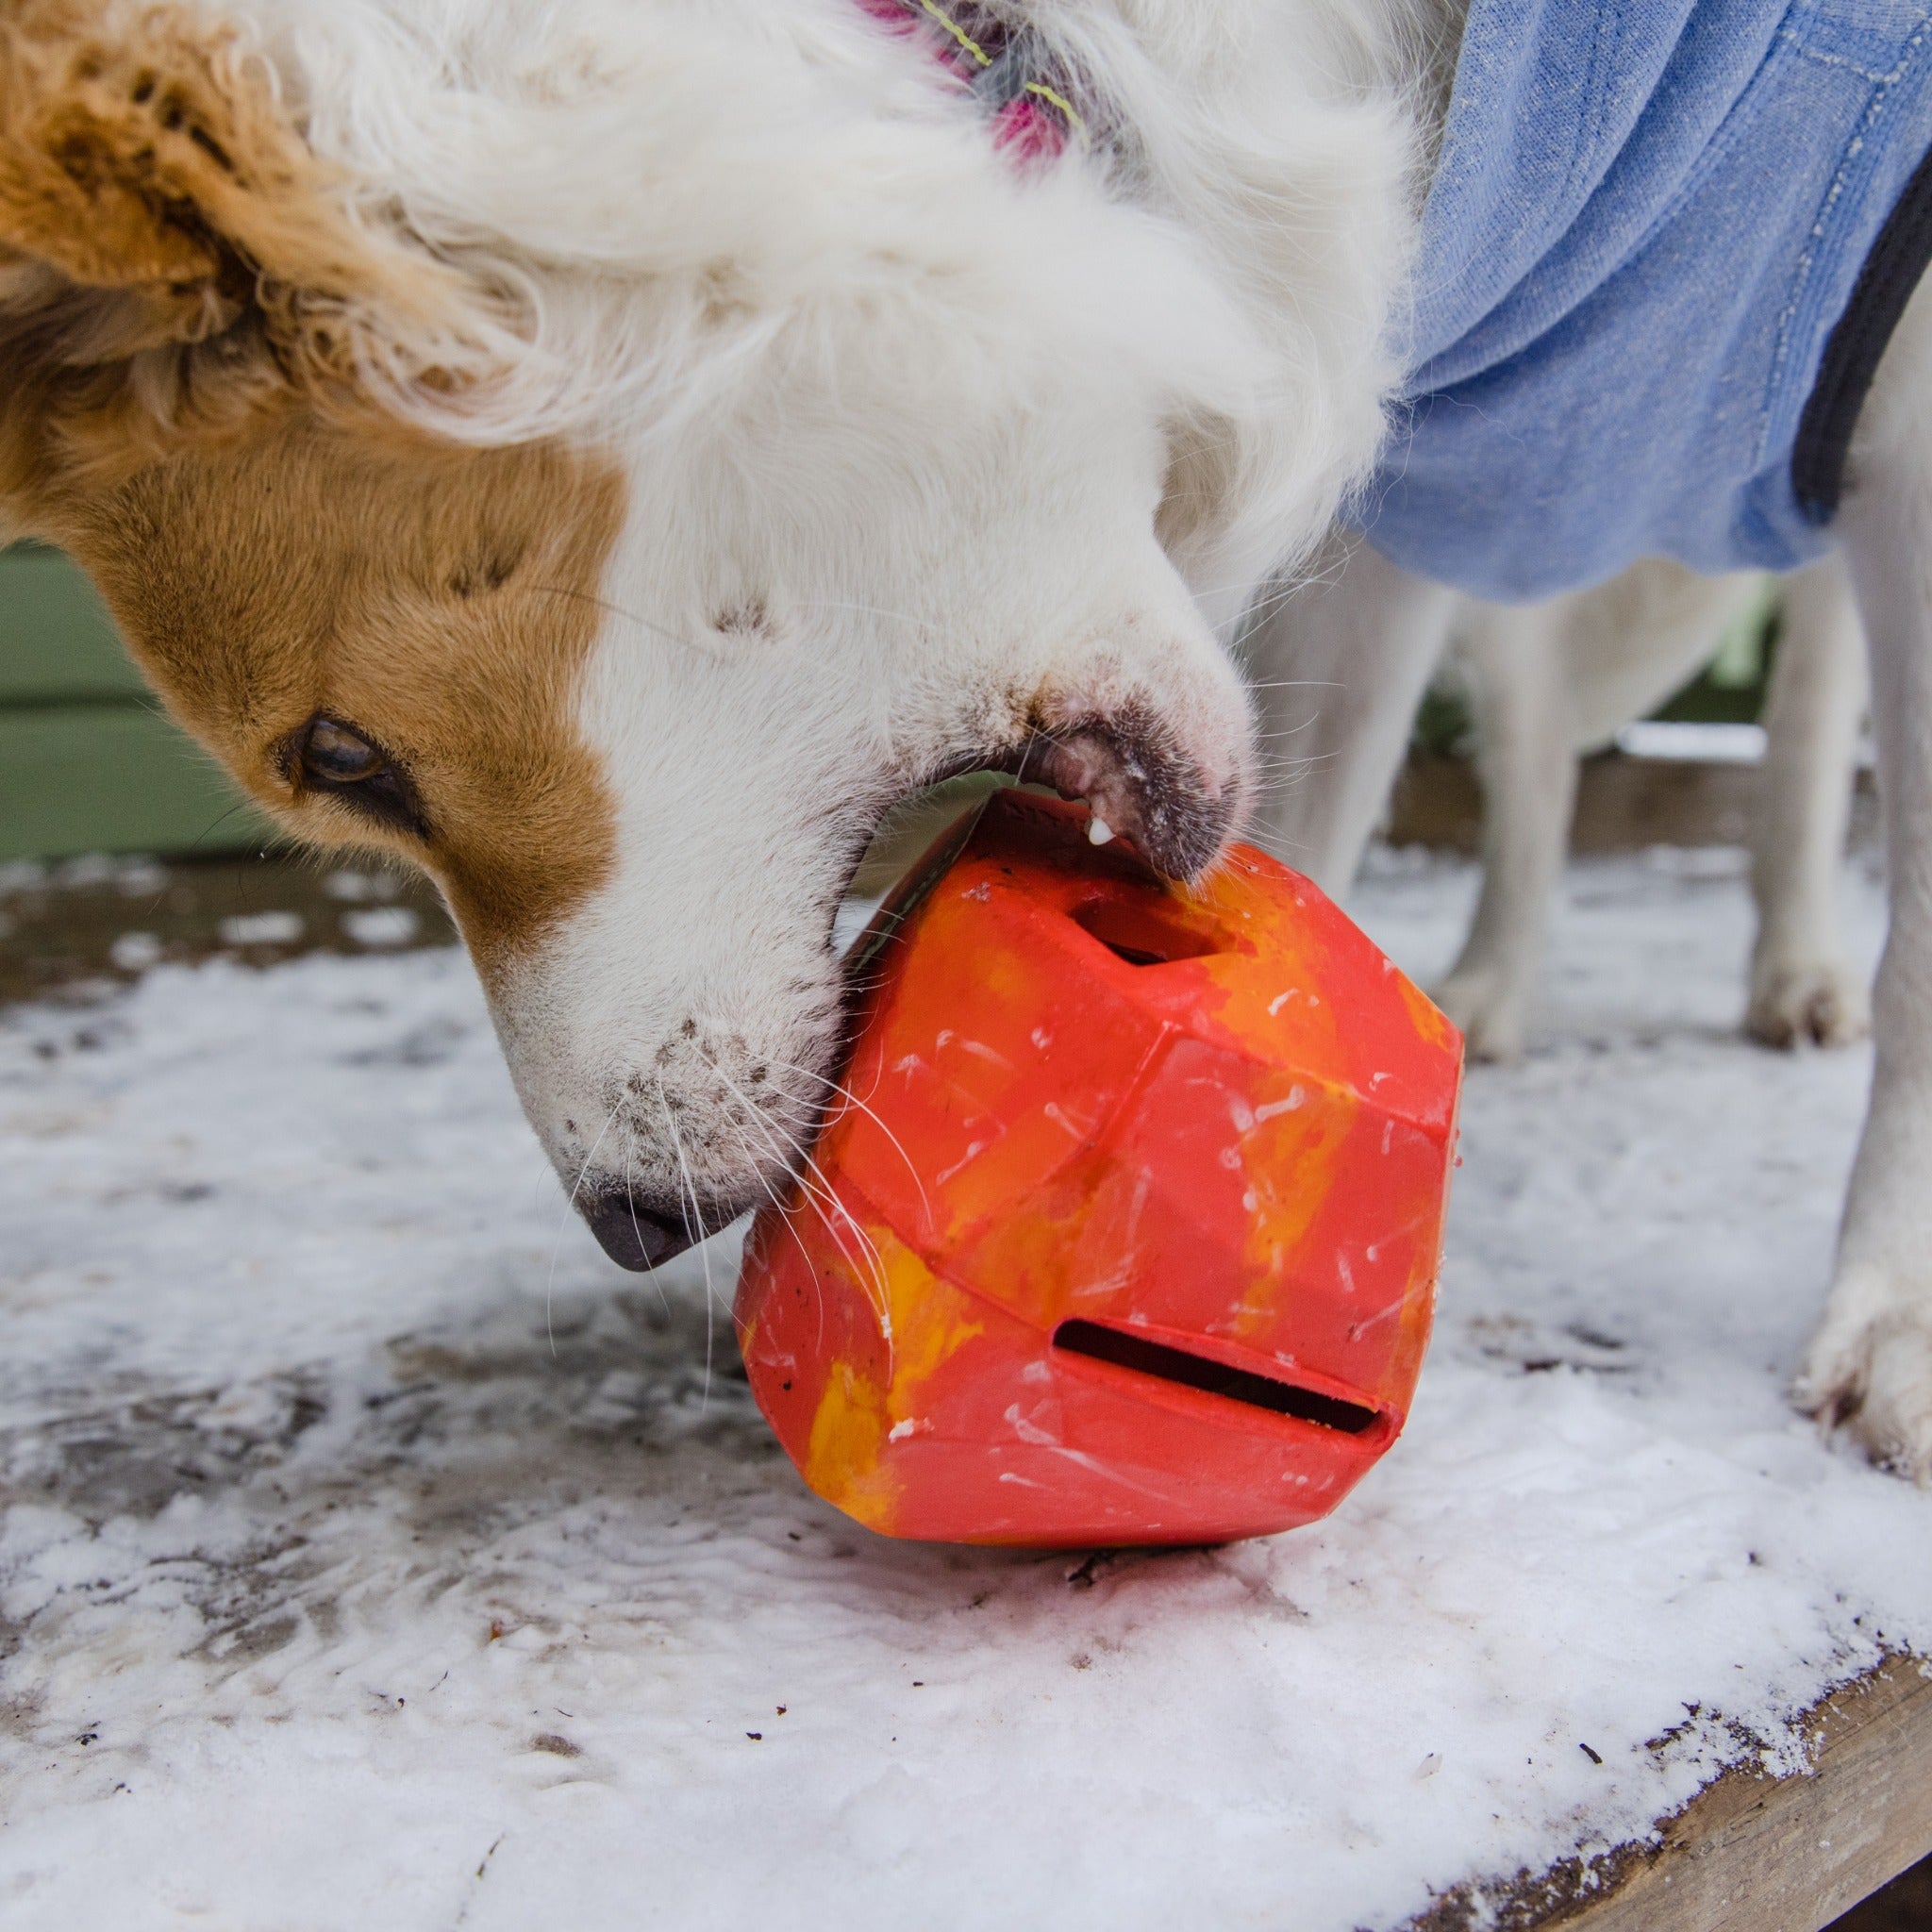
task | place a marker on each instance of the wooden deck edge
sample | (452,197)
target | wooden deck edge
(1752,1852)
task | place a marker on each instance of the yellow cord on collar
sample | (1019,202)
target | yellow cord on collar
(1052,96)
(1062,102)
(957,32)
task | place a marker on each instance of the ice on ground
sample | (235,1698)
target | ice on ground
(376,1556)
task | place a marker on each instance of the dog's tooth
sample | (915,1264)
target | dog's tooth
(1098,831)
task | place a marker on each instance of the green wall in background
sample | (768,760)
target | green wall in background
(88,762)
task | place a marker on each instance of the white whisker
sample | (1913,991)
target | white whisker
(687,1186)
(562,1220)
(820,1195)
(846,1095)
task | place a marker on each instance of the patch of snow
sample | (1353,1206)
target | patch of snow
(135,952)
(382,925)
(260,929)
(355,887)
(1685,741)
(377,1554)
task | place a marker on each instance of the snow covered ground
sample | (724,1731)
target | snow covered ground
(379,1557)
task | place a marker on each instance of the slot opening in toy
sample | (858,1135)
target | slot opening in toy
(1142,934)
(1145,1357)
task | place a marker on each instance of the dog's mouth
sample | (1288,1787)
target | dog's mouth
(1140,783)
(1129,769)
(1141,787)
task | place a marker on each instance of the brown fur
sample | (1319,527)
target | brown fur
(173,257)
(180,406)
(441,600)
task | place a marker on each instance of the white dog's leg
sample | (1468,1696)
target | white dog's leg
(1803,983)
(1869,1364)
(1340,666)
(1526,737)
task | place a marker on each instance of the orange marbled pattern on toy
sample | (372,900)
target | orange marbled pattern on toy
(1217,1121)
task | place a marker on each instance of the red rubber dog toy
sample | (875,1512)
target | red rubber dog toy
(1130,1232)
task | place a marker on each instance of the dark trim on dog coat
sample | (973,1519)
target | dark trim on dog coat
(1856,346)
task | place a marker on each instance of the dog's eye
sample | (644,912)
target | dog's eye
(335,757)
(338,756)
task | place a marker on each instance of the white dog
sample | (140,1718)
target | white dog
(1548,682)
(606,451)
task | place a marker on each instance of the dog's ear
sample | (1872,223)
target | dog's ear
(1204,453)
(172,256)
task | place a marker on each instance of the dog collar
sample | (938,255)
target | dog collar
(1027,93)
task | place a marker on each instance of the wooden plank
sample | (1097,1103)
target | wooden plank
(1754,1853)
(1623,804)
(57,641)
(114,778)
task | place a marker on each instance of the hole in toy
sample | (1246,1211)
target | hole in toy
(1142,934)
(1147,1357)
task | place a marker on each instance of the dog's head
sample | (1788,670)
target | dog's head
(615,537)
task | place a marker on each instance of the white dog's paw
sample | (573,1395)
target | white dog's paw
(1868,1372)
(1492,1014)
(1824,1001)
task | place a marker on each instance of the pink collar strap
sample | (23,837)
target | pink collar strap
(1027,96)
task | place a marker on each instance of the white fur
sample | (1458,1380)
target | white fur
(680,217)
(1869,1364)
(1804,985)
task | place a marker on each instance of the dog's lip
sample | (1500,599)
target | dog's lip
(1139,782)
(907,792)
(1129,766)
(1131,773)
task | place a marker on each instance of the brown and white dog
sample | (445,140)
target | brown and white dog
(605,452)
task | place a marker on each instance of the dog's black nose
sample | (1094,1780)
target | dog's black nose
(636,1235)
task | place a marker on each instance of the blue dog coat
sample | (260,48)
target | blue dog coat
(1665,244)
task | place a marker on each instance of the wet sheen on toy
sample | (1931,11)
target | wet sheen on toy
(1132,1234)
